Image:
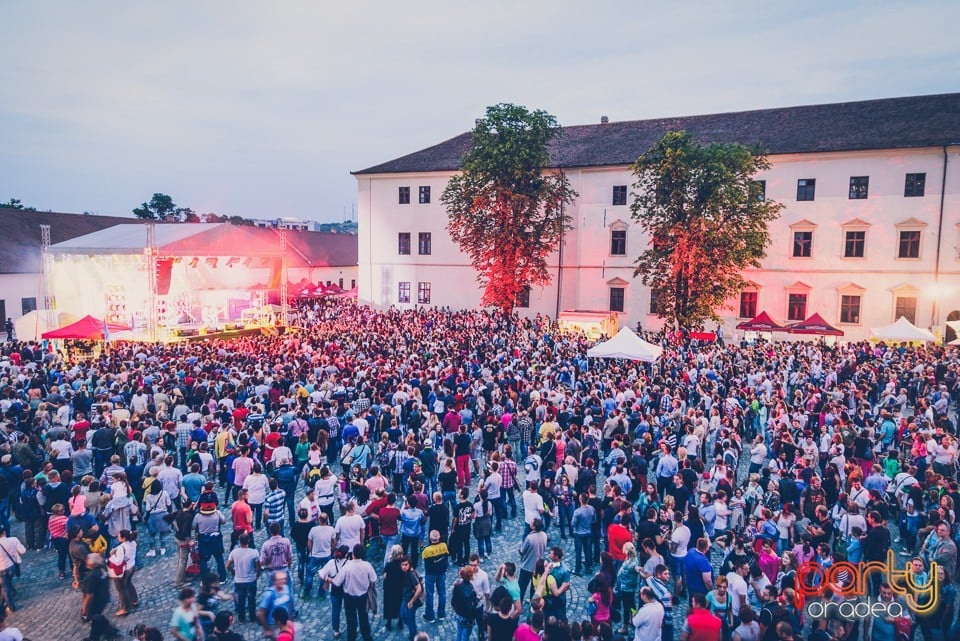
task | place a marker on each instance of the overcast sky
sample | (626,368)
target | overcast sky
(262,109)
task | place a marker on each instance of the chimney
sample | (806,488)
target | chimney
(604,120)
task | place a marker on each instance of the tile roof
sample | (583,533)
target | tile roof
(20,240)
(889,123)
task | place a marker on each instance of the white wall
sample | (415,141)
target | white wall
(588,266)
(14,288)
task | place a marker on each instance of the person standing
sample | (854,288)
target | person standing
(241,515)
(95,589)
(532,550)
(411,597)
(649,619)
(11,551)
(702,624)
(436,560)
(464,603)
(320,550)
(183,528)
(356,577)
(463,517)
(244,564)
(276,553)
(279,596)
(209,539)
(122,564)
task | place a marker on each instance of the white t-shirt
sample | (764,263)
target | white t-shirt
(348,530)
(736,587)
(321,541)
(532,506)
(326,490)
(680,536)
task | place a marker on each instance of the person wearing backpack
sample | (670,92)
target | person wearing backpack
(464,603)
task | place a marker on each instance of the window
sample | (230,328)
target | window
(858,187)
(353,283)
(748,304)
(403,243)
(758,190)
(403,295)
(850,309)
(340,283)
(906,306)
(424,195)
(654,305)
(424,243)
(403,195)
(619,194)
(796,307)
(802,242)
(915,183)
(423,293)
(909,244)
(523,298)
(616,299)
(806,188)
(853,242)
(3,312)
(27,305)
(618,242)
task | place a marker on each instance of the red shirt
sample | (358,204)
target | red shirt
(702,625)
(242,516)
(389,517)
(617,535)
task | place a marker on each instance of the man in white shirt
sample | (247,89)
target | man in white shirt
(320,545)
(737,587)
(349,527)
(648,621)
(679,540)
(355,577)
(533,507)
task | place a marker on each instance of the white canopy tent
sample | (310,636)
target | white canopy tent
(902,330)
(31,325)
(626,345)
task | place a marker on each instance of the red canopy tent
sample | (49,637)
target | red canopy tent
(814,325)
(87,328)
(761,323)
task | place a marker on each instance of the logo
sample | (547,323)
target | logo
(852,581)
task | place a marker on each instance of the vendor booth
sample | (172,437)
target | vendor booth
(628,346)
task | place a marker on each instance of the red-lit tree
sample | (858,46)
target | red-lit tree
(506,209)
(707,219)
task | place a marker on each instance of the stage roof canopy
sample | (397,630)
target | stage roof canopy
(305,248)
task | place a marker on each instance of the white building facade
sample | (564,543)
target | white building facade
(870,229)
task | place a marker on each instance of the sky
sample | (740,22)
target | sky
(262,109)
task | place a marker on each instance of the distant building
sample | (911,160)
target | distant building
(20,263)
(293,224)
(870,230)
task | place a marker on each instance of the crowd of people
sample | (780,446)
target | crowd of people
(368,462)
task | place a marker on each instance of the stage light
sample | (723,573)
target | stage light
(247,262)
(194,262)
(212,261)
(233,261)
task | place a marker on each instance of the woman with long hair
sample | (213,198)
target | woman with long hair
(602,600)
(122,565)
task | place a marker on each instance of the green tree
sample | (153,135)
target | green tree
(160,207)
(15,203)
(707,220)
(505,209)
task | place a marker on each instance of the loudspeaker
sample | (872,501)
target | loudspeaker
(164,269)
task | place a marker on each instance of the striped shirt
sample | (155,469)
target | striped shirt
(274,504)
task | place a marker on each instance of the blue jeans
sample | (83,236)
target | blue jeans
(499,511)
(583,545)
(6,582)
(408,618)
(435,585)
(336,609)
(484,546)
(464,628)
(246,596)
(5,514)
(566,518)
(510,498)
(314,563)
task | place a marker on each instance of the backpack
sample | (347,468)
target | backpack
(385,458)
(313,474)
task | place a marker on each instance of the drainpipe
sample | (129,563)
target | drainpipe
(935,321)
(560,258)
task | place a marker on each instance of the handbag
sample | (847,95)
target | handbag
(15,567)
(372,598)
